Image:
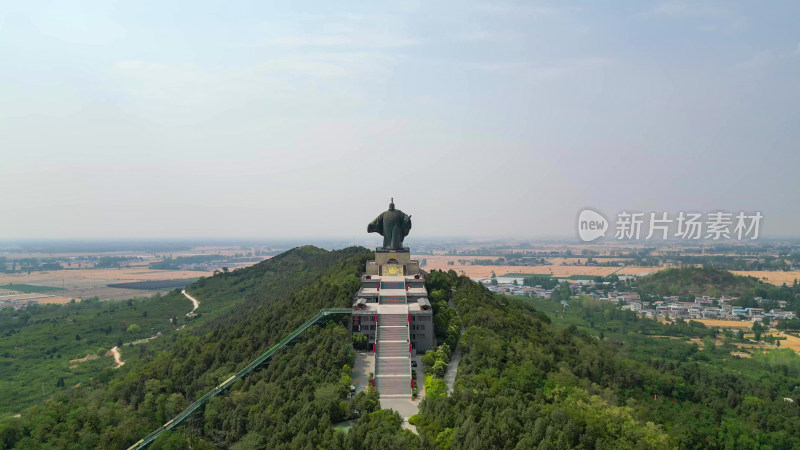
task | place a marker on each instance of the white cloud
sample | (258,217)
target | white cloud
(766,58)
(760,59)
(541,72)
(484,36)
(343,30)
(526,11)
(679,9)
(333,40)
(735,25)
(710,16)
(193,84)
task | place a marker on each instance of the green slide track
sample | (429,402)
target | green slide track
(175,421)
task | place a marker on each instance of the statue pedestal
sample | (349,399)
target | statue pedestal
(383,256)
(393,263)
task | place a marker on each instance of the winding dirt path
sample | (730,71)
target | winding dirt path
(117,357)
(194,302)
(115,350)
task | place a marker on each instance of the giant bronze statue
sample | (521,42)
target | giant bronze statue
(393,225)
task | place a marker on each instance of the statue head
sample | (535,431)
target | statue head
(391,205)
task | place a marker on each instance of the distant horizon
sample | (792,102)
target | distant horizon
(410,239)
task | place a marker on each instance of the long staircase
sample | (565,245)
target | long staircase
(393,356)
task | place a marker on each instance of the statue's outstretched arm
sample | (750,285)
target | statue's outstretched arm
(376,226)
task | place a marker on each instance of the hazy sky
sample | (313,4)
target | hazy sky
(248,119)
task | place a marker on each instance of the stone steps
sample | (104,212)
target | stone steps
(393,348)
(393,358)
(394,366)
(394,320)
(393,385)
(393,333)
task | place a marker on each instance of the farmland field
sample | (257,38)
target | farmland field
(789,341)
(484,271)
(448,262)
(27,288)
(106,284)
(724,323)
(155,285)
(770,276)
(93,277)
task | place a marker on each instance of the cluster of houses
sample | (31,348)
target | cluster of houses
(518,290)
(513,286)
(668,307)
(701,308)
(16,304)
(19,300)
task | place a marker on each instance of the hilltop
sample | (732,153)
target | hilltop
(526,379)
(269,299)
(697,281)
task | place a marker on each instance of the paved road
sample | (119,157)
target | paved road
(452,370)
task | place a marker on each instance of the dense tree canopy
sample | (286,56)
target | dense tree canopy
(595,377)
(524,382)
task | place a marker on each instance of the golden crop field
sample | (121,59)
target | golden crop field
(790,341)
(481,271)
(86,283)
(724,323)
(442,262)
(125,274)
(771,276)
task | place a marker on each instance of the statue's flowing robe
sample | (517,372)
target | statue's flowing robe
(393,225)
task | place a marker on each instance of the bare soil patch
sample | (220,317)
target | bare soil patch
(73,363)
(117,357)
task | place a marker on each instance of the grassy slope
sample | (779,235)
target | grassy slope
(271,298)
(38,343)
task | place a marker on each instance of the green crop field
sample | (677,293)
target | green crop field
(583,277)
(29,288)
(155,285)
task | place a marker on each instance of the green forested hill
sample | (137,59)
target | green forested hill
(524,383)
(592,378)
(688,282)
(696,281)
(298,392)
